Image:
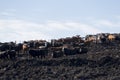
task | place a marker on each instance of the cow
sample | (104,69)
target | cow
(83,50)
(3,55)
(38,53)
(89,38)
(25,48)
(9,54)
(56,54)
(74,50)
(117,37)
(4,47)
(56,43)
(111,37)
(18,47)
(103,37)
(69,51)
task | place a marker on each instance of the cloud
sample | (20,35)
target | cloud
(107,23)
(83,28)
(8,12)
(21,30)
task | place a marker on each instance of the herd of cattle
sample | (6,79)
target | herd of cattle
(55,48)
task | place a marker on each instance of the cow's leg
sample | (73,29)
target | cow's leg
(38,56)
(41,56)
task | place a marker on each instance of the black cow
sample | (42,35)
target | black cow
(73,51)
(38,52)
(18,48)
(9,54)
(4,47)
(3,55)
(57,54)
(68,51)
(83,50)
(7,46)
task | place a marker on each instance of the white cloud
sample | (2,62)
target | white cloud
(84,28)
(8,12)
(5,13)
(107,23)
(20,30)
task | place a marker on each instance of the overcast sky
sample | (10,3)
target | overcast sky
(48,19)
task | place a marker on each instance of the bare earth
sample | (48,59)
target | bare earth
(102,62)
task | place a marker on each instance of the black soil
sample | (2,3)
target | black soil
(102,62)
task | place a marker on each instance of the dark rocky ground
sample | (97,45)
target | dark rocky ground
(102,62)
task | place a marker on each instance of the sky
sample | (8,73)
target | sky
(52,19)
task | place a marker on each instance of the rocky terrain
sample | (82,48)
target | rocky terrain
(102,62)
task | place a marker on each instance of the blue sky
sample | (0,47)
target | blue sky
(47,19)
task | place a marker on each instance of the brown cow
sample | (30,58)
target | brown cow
(91,38)
(25,48)
(111,37)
